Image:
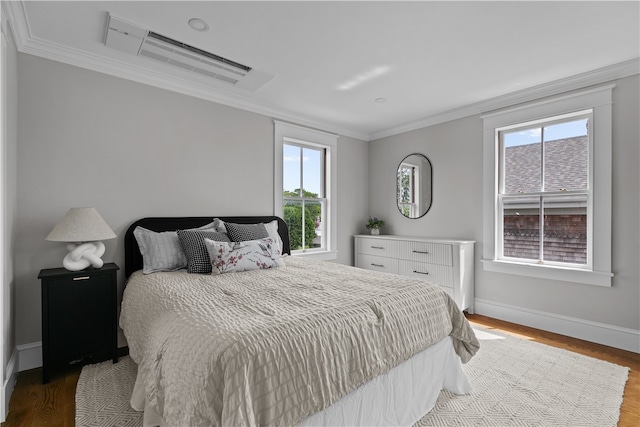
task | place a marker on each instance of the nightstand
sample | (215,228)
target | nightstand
(79,316)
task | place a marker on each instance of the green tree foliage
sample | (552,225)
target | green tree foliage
(404,190)
(404,185)
(293,218)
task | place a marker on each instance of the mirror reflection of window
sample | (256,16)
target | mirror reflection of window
(413,186)
(408,189)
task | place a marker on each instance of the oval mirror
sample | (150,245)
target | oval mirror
(413,186)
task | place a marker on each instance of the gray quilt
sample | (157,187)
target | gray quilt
(271,347)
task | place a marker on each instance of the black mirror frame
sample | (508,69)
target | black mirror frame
(430,185)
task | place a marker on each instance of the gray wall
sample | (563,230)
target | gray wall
(9,202)
(455,151)
(131,150)
(353,194)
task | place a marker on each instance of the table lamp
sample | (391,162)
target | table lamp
(85,228)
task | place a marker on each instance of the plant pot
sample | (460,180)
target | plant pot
(375,231)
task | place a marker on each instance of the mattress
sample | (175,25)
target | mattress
(274,347)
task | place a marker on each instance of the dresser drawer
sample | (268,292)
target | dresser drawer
(435,273)
(377,263)
(378,247)
(433,253)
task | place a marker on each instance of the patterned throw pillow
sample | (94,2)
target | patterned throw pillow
(192,242)
(233,257)
(244,232)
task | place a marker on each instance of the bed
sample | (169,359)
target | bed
(306,343)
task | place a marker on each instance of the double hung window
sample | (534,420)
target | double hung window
(544,195)
(304,204)
(547,188)
(305,188)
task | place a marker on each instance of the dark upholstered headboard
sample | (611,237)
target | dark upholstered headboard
(133,258)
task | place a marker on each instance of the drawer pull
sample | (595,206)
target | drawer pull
(420,272)
(421,252)
(82,278)
(377,247)
(377,265)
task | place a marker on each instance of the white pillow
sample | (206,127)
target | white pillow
(272,229)
(233,257)
(218,224)
(162,251)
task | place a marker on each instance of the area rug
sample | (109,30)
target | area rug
(515,382)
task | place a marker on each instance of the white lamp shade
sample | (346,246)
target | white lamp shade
(81,225)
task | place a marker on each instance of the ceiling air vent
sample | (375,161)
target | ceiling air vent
(129,38)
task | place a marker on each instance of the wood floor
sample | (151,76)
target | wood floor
(53,404)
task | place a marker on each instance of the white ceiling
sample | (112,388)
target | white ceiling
(334,59)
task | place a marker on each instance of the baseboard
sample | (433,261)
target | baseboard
(29,356)
(9,384)
(601,333)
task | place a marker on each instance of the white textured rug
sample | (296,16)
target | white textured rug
(515,383)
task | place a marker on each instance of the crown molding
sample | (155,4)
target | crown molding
(15,14)
(579,81)
(27,43)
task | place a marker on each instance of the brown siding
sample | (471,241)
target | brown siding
(565,237)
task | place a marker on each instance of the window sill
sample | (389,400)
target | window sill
(574,275)
(319,255)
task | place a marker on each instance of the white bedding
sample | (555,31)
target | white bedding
(274,347)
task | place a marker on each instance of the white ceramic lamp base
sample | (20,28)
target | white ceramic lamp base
(83,255)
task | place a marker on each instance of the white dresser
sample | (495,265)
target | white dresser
(447,263)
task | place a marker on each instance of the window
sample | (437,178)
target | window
(303,195)
(547,189)
(544,196)
(408,191)
(305,188)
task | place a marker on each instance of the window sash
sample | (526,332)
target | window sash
(323,162)
(541,201)
(323,222)
(541,196)
(543,123)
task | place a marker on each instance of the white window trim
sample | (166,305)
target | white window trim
(600,101)
(5,392)
(329,141)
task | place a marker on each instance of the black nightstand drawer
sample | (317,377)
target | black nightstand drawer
(79,316)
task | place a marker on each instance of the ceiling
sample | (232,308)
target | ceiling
(333,60)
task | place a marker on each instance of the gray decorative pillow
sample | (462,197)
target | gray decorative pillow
(244,232)
(192,242)
(160,251)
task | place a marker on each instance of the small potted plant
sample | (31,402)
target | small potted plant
(374,225)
